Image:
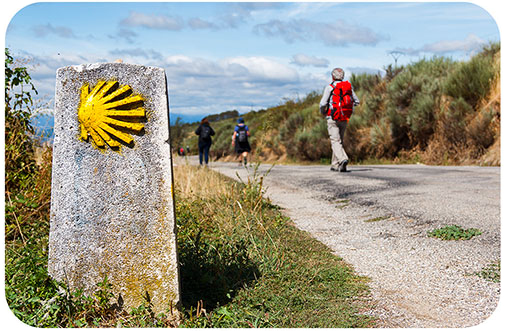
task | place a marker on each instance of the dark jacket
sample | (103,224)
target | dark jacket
(201,140)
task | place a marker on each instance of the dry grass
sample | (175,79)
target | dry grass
(493,101)
(202,182)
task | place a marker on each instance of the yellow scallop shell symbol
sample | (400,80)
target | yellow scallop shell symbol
(109,113)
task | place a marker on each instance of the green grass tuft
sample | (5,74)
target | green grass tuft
(454,232)
(490,273)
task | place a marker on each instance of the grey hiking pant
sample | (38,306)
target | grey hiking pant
(336,131)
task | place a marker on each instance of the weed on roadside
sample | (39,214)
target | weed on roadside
(454,232)
(341,204)
(377,219)
(490,273)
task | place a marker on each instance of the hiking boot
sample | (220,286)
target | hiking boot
(334,169)
(342,167)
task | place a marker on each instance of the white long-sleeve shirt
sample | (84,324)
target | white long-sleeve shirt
(325,100)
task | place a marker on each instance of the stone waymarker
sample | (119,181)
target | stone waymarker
(112,211)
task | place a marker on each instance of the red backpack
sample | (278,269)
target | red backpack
(341,101)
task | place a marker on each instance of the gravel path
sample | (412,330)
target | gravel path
(376,218)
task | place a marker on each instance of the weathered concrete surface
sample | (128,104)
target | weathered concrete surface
(112,212)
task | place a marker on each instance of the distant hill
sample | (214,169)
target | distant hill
(434,111)
(185,118)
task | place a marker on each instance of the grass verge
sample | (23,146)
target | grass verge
(243,264)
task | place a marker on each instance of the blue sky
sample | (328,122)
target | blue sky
(225,55)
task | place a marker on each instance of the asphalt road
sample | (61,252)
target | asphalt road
(377,218)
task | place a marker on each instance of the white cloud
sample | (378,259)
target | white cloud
(238,13)
(307,60)
(338,33)
(203,86)
(235,15)
(197,85)
(160,22)
(305,9)
(197,23)
(261,68)
(136,52)
(126,34)
(48,29)
(470,44)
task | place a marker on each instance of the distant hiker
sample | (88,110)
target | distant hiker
(204,132)
(181,151)
(337,105)
(240,140)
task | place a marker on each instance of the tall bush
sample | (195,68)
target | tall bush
(472,80)
(452,121)
(19,153)
(412,101)
(313,144)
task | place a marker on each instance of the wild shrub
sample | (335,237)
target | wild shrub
(480,131)
(472,80)
(381,141)
(412,100)
(452,121)
(19,151)
(392,72)
(293,123)
(311,116)
(357,143)
(288,130)
(278,114)
(365,82)
(274,144)
(313,144)
(221,142)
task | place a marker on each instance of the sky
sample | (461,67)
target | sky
(220,56)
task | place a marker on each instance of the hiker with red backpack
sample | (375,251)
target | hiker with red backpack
(337,105)
(240,140)
(204,132)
